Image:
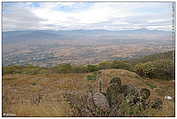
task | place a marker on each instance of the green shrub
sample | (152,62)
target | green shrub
(63,68)
(29,69)
(105,65)
(163,69)
(153,57)
(92,68)
(92,76)
(122,65)
(152,86)
(79,69)
(12,69)
(146,69)
(33,83)
(9,78)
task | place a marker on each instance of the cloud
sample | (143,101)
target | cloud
(19,17)
(87,15)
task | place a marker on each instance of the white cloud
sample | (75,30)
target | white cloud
(101,15)
(159,20)
(21,19)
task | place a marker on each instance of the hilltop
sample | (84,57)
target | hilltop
(19,90)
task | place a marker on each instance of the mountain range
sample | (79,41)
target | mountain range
(84,35)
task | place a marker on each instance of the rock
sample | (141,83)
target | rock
(100,101)
(168,97)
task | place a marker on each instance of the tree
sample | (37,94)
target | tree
(92,68)
(163,69)
(122,65)
(63,68)
(79,69)
(105,65)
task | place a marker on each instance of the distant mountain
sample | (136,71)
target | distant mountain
(42,35)
(18,36)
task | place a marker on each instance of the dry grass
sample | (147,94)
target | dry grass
(42,95)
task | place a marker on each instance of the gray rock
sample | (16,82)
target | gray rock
(100,101)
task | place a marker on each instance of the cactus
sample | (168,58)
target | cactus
(157,104)
(114,91)
(145,93)
(116,81)
(118,100)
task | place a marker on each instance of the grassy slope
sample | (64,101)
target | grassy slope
(156,56)
(20,89)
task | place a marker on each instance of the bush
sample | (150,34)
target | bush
(92,68)
(105,65)
(28,69)
(153,57)
(11,69)
(117,64)
(63,68)
(92,76)
(145,69)
(79,69)
(122,65)
(163,69)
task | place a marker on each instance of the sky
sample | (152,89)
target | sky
(86,15)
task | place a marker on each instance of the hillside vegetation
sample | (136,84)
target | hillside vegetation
(42,95)
(39,91)
(154,66)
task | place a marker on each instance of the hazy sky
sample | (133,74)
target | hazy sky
(86,15)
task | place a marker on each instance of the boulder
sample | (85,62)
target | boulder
(100,101)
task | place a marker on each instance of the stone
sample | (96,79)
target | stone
(100,101)
(168,97)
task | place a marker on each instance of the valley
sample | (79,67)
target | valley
(85,47)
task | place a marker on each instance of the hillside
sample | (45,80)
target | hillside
(88,59)
(20,90)
(33,90)
(156,56)
(159,65)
